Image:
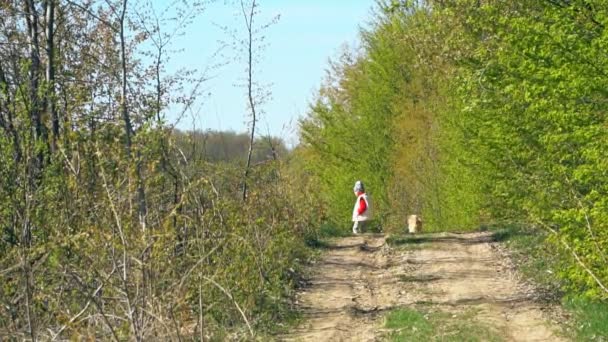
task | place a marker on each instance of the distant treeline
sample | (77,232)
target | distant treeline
(229,146)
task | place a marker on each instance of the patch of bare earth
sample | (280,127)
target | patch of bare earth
(360,278)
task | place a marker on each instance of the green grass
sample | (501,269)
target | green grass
(424,325)
(540,262)
(408,240)
(318,240)
(409,325)
(328,230)
(591,322)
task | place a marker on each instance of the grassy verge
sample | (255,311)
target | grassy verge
(591,319)
(327,231)
(423,324)
(407,240)
(535,259)
(540,263)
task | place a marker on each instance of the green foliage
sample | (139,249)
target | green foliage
(405,97)
(141,234)
(202,249)
(535,115)
(380,118)
(349,133)
(328,230)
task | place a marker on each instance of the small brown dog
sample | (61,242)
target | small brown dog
(414,224)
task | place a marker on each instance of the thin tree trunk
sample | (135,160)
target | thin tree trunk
(29,289)
(141,196)
(34,77)
(33,167)
(249,23)
(9,126)
(26,244)
(134,318)
(138,315)
(50,73)
(123,91)
(158,86)
(3,107)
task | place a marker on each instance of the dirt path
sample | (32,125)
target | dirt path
(361,278)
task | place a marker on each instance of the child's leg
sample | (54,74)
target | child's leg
(355,227)
(362,227)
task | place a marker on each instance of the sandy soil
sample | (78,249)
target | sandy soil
(360,278)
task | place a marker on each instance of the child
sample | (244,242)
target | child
(361,212)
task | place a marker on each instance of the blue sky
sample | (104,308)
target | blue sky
(294,63)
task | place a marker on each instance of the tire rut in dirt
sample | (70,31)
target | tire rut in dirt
(360,278)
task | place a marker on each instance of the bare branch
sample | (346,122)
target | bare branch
(238,307)
(574,254)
